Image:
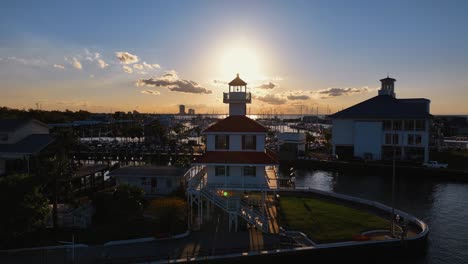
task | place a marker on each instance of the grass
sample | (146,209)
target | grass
(326,222)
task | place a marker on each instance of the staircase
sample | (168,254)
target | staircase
(195,185)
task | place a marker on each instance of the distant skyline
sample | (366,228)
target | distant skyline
(151,56)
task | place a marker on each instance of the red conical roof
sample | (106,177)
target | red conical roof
(237,82)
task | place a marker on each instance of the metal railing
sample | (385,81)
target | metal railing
(237,97)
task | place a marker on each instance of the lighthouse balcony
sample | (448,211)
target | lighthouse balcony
(237,97)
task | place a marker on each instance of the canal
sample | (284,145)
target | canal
(443,205)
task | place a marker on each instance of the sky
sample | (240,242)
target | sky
(296,56)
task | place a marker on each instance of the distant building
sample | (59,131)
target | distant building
(374,128)
(19,141)
(291,145)
(191,111)
(181,109)
(154,180)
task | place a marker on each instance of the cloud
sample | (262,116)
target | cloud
(151,66)
(77,64)
(335,92)
(59,66)
(127,69)
(271,99)
(150,92)
(138,66)
(91,56)
(126,58)
(28,62)
(219,82)
(298,97)
(74,62)
(268,85)
(171,81)
(102,63)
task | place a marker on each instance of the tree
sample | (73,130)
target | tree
(25,207)
(57,168)
(125,203)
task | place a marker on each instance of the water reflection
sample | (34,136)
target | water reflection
(441,204)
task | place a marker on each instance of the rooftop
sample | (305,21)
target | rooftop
(238,123)
(30,145)
(148,171)
(9,125)
(237,82)
(384,106)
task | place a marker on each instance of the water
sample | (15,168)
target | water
(443,205)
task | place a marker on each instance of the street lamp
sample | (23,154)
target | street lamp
(393,182)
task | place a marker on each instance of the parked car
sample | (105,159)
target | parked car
(435,164)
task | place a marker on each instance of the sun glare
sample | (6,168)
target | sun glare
(240,60)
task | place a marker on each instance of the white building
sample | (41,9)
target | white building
(378,126)
(154,180)
(235,161)
(20,140)
(291,145)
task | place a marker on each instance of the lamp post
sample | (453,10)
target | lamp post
(393,182)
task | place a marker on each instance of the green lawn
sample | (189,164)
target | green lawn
(324,221)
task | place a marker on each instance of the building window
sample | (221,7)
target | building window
(143,181)
(249,142)
(221,142)
(410,139)
(222,171)
(420,125)
(397,125)
(391,139)
(250,171)
(409,125)
(168,183)
(417,139)
(387,125)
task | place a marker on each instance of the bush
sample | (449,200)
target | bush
(125,204)
(170,213)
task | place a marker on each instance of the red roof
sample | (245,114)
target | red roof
(236,124)
(237,82)
(237,157)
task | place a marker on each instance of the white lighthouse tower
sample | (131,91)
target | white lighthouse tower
(236,161)
(237,97)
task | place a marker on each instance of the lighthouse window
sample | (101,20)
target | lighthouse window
(249,142)
(222,142)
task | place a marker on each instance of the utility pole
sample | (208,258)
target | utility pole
(393,182)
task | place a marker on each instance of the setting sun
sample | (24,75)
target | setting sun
(240,60)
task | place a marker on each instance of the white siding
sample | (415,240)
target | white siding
(210,142)
(260,142)
(342,132)
(368,138)
(235,143)
(236,178)
(164,184)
